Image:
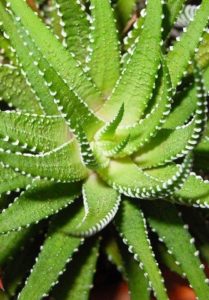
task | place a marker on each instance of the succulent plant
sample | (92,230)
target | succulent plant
(102,127)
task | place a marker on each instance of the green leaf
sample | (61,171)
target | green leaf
(137,282)
(16,269)
(41,133)
(109,129)
(113,253)
(53,92)
(131,225)
(171,230)
(29,69)
(195,191)
(124,10)
(97,211)
(206,78)
(42,200)
(104,71)
(185,103)
(10,244)
(58,57)
(147,127)
(126,177)
(77,281)
(172,11)
(57,250)
(50,165)
(75,27)
(167,145)
(182,52)
(15,91)
(170,144)
(147,53)
(11,180)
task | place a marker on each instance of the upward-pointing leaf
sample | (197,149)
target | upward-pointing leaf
(131,225)
(56,55)
(170,144)
(152,122)
(135,85)
(184,106)
(172,10)
(55,96)
(29,68)
(183,50)
(171,229)
(104,71)
(75,27)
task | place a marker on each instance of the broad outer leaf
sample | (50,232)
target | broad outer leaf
(50,165)
(40,201)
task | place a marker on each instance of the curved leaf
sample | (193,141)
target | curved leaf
(195,191)
(183,50)
(101,204)
(126,177)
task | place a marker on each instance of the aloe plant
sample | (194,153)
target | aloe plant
(97,130)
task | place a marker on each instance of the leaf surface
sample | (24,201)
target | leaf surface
(42,200)
(171,229)
(104,71)
(50,165)
(131,225)
(57,250)
(135,86)
(183,50)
